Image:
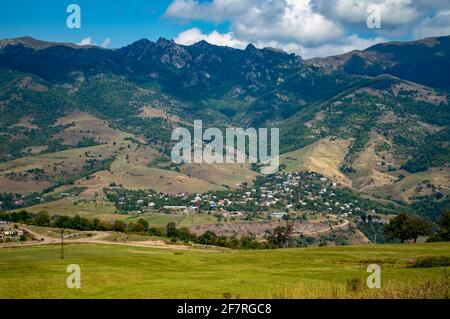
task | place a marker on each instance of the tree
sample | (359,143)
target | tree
(407,227)
(135,227)
(443,233)
(42,218)
(171,230)
(280,236)
(208,238)
(119,226)
(20,217)
(96,225)
(62,222)
(444,225)
(185,235)
(143,223)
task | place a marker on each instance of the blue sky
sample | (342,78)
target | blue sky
(307,27)
(121,21)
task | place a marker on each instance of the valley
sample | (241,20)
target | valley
(92,140)
(224,157)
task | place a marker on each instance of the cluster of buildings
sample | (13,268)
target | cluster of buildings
(8,232)
(276,194)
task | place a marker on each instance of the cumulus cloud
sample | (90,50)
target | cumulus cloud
(256,20)
(86,41)
(217,10)
(309,27)
(194,35)
(106,43)
(349,43)
(346,44)
(393,12)
(438,25)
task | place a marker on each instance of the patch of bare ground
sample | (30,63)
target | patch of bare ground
(419,92)
(260,228)
(26,122)
(152,112)
(28,83)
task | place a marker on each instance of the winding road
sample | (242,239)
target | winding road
(98,237)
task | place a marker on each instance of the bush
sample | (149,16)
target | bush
(429,262)
(354,285)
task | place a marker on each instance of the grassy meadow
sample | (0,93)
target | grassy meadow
(117,271)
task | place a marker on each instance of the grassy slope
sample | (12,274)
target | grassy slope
(324,157)
(406,188)
(99,209)
(122,271)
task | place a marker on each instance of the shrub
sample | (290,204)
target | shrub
(429,262)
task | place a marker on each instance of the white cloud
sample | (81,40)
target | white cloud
(346,44)
(259,20)
(439,25)
(86,41)
(106,43)
(393,12)
(350,43)
(194,35)
(310,27)
(217,10)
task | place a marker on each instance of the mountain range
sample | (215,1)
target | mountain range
(376,121)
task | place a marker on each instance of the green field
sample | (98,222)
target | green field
(116,271)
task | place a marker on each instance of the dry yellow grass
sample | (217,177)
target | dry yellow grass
(152,112)
(356,289)
(69,207)
(325,157)
(406,188)
(369,172)
(232,175)
(56,165)
(135,175)
(87,126)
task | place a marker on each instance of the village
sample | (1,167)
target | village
(310,202)
(10,232)
(273,197)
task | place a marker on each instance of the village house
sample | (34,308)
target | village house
(7,231)
(175,208)
(278,214)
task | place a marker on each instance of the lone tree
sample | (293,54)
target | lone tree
(405,227)
(281,236)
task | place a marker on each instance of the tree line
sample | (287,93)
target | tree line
(410,227)
(276,239)
(403,227)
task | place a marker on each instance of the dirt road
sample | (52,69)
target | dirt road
(344,224)
(97,237)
